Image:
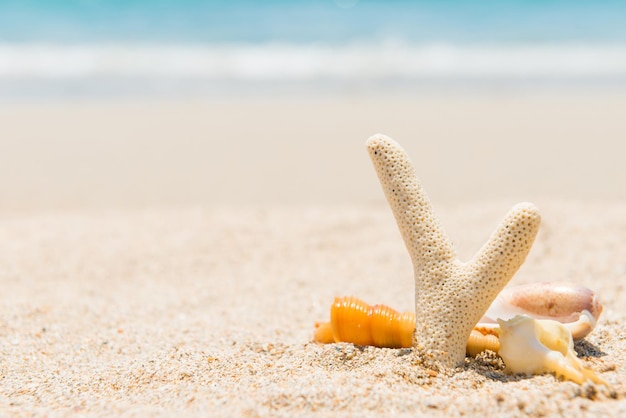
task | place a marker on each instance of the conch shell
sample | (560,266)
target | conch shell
(534,346)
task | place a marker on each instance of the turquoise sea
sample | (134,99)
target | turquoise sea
(170,47)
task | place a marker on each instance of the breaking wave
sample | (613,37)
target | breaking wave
(302,62)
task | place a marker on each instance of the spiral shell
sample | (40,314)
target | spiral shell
(323,333)
(482,339)
(352,320)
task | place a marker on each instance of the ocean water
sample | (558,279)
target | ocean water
(172,47)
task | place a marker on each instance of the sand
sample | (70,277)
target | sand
(309,151)
(149,271)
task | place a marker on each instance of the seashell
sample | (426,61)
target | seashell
(534,346)
(323,333)
(352,320)
(574,305)
(482,339)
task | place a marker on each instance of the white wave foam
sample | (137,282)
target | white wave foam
(277,62)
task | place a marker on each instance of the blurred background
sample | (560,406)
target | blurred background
(175,102)
(205,47)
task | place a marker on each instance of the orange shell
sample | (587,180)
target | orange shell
(323,333)
(481,339)
(354,321)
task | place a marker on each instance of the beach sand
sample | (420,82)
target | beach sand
(170,259)
(310,150)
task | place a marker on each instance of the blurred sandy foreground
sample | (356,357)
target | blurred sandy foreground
(170,259)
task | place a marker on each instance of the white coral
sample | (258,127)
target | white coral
(450,295)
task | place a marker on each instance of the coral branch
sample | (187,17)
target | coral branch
(425,239)
(450,296)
